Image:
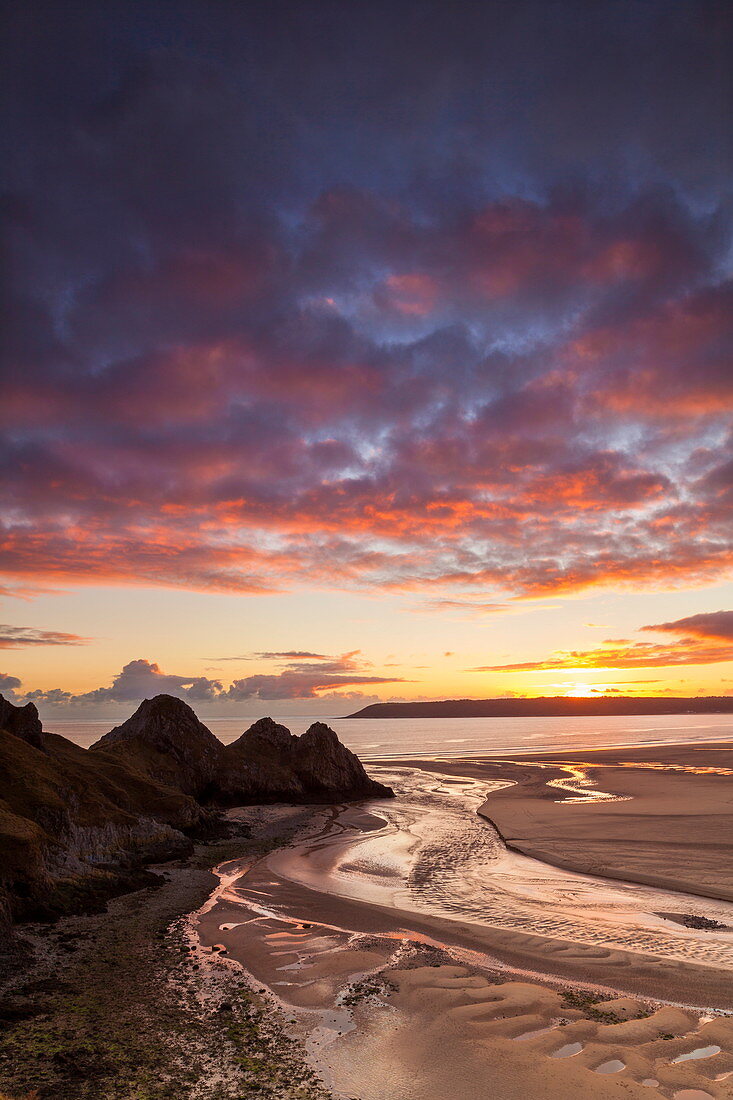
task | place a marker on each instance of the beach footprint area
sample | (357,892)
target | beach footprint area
(419,957)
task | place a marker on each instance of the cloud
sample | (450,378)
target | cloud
(288,655)
(302,678)
(15,637)
(469,608)
(706,640)
(140,679)
(294,685)
(638,655)
(389,333)
(711,624)
(293,655)
(25,592)
(9,685)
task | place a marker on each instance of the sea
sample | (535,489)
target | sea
(393,738)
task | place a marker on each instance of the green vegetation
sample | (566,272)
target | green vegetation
(586,1003)
(124,1010)
(372,988)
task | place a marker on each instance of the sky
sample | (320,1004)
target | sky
(360,352)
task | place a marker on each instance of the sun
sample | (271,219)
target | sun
(583,691)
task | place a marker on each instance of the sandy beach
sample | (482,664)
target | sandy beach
(662,816)
(422,958)
(461,939)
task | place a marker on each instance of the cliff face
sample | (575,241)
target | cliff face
(75,829)
(76,825)
(22,721)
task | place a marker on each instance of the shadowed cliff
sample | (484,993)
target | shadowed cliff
(78,825)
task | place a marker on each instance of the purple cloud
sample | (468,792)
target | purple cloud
(270,326)
(710,624)
(16,637)
(141,679)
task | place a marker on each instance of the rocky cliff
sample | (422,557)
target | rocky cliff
(75,829)
(268,764)
(22,721)
(165,741)
(76,825)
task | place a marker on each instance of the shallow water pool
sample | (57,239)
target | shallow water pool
(614,1065)
(568,1050)
(699,1052)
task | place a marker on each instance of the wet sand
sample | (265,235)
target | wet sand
(421,959)
(671,827)
(429,1028)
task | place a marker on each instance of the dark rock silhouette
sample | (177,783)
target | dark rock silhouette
(165,740)
(323,763)
(269,764)
(78,825)
(22,721)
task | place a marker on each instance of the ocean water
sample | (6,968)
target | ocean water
(396,737)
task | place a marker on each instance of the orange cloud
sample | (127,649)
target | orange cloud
(716,630)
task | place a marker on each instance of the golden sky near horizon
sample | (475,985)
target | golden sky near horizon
(417,649)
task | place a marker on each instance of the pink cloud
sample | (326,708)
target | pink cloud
(413,295)
(142,678)
(558,423)
(17,637)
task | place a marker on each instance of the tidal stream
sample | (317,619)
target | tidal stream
(428,852)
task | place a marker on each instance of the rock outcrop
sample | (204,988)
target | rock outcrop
(77,825)
(165,741)
(77,828)
(22,721)
(269,764)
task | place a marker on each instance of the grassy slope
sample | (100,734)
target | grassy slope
(46,796)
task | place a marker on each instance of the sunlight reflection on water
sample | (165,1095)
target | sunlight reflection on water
(410,736)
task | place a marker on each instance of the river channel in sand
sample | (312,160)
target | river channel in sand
(366,884)
(427,855)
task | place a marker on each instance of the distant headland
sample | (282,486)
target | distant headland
(558,706)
